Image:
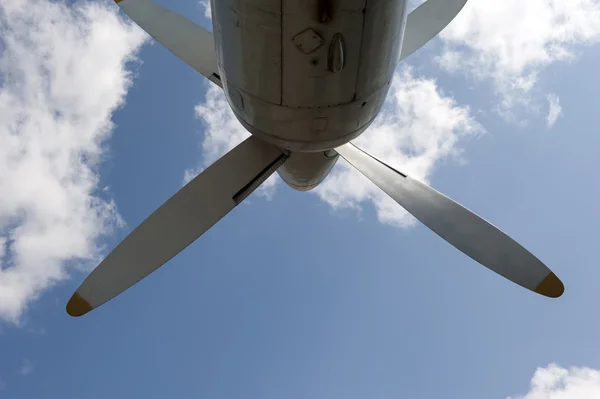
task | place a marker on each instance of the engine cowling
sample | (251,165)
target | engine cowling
(307,75)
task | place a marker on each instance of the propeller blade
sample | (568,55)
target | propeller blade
(190,42)
(178,222)
(462,228)
(426,21)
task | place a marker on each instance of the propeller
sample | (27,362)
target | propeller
(211,195)
(462,228)
(178,222)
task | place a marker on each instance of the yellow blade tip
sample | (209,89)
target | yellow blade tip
(77,306)
(551,286)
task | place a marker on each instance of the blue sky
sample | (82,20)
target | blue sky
(330,294)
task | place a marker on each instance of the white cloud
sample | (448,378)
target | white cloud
(26,367)
(554,110)
(418,127)
(222,131)
(63,74)
(511,42)
(554,382)
(205,5)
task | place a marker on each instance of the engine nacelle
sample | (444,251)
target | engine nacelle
(304,171)
(307,75)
